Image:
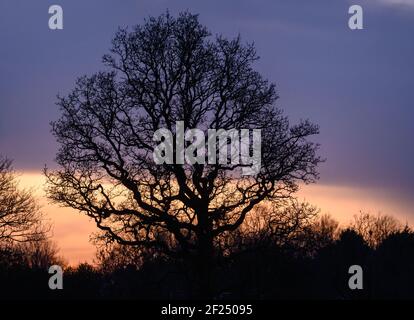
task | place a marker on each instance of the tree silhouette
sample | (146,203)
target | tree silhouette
(168,70)
(20,218)
(375,228)
(394,265)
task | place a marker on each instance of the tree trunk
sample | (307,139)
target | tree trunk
(205,267)
(204,255)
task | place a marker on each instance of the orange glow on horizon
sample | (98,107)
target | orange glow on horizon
(72,230)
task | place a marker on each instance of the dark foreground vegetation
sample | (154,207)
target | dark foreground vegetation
(310,261)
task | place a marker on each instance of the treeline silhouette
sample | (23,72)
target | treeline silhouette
(308,259)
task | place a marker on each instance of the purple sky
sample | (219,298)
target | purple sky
(357,85)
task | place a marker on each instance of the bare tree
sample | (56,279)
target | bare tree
(321,232)
(114,256)
(168,70)
(270,226)
(40,254)
(375,228)
(20,217)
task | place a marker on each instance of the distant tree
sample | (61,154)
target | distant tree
(10,258)
(350,243)
(271,226)
(169,70)
(113,256)
(320,232)
(393,266)
(20,217)
(40,254)
(333,261)
(82,282)
(375,228)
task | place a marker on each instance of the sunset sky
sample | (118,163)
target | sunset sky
(357,85)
